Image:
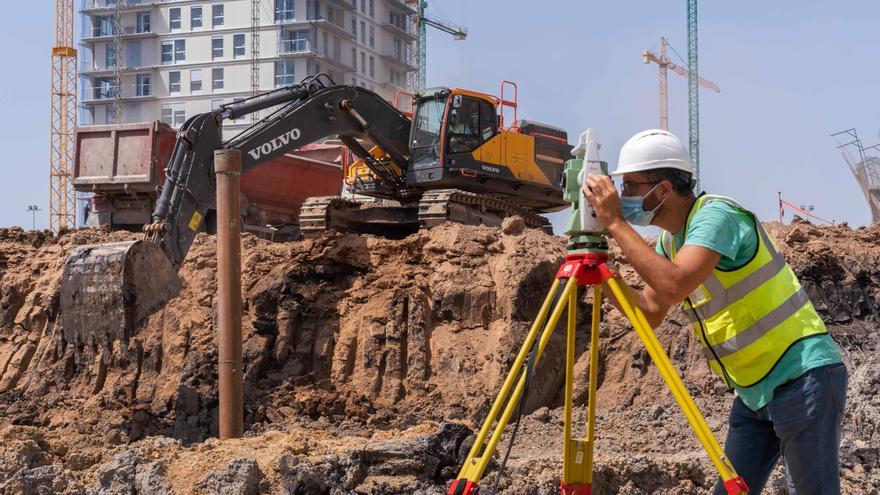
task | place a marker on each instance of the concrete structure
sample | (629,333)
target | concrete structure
(184,57)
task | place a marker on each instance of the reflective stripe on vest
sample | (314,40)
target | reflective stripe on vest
(748,317)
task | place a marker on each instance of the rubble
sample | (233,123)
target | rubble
(368,364)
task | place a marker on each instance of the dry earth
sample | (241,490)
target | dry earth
(369,362)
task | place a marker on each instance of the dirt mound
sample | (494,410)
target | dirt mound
(363,358)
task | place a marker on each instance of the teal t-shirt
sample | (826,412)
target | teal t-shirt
(731,232)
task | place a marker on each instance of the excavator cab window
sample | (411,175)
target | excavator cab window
(427,124)
(464,124)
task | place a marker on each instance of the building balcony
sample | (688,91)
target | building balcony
(105,6)
(128,33)
(399,31)
(294,47)
(342,4)
(408,65)
(130,93)
(322,22)
(402,6)
(334,61)
(94,70)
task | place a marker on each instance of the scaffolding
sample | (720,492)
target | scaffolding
(864,163)
(62,198)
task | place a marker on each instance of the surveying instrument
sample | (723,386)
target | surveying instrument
(586,264)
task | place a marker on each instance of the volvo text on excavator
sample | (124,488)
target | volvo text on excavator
(454,160)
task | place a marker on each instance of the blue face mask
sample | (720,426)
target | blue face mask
(633,209)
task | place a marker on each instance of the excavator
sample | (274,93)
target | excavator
(453,160)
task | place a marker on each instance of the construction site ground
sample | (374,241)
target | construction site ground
(368,364)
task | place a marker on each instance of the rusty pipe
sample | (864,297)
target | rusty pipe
(227,165)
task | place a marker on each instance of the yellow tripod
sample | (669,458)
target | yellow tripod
(577,453)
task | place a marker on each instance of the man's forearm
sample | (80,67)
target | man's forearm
(655,270)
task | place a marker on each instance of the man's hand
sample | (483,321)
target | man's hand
(602,194)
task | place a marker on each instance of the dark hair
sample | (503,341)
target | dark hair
(681,181)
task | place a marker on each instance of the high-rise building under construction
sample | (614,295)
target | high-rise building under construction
(168,60)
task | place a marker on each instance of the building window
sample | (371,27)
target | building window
(167,52)
(363,33)
(103,26)
(174,114)
(195,81)
(372,67)
(110,55)
(143,22)
(372,36)
(217,15)
(179,50)
(354,58)
(216,47)
(284,73)
(398,50)
(215,104)
(110,114)
(284,10)
(133,54)
(142,87)
(174,82)
(372,9)
(363,63)
(217,78)
(238,45)
(397,20)
(331,15)
(195,16)
(354,26)
(337,49)
(326,38)
(174,19)
(363,6)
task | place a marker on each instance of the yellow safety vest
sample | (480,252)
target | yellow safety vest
(747,318)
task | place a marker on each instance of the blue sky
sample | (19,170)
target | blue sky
(791,73)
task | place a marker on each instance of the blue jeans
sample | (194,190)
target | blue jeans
(802,424)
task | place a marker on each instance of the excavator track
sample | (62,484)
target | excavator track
(469,208)
(387,219)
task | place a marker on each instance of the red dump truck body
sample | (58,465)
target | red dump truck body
(123,166)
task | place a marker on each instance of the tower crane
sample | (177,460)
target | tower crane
(62,199)
(664,63)
(457,32)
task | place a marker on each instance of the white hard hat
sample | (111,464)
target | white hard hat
(653,149)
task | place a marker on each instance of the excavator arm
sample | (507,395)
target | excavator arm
(310,111)
(108,288)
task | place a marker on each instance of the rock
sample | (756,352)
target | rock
(656,411)
(241,477)
(797,234)
(129,472)
(542,414)
(513,225)
(43,480)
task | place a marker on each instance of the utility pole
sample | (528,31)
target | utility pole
(33,209)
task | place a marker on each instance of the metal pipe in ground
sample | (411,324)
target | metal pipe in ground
(227,165)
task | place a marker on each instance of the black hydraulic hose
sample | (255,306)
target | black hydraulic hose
(283,95)
(171,175)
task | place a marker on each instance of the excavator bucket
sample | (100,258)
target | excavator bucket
(107,289)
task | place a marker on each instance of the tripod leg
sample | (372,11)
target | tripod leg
(732,482)
(475,465)
(577,454)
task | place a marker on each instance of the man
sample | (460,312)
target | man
(756,324)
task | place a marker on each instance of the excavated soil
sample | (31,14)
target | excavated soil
(369,362)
